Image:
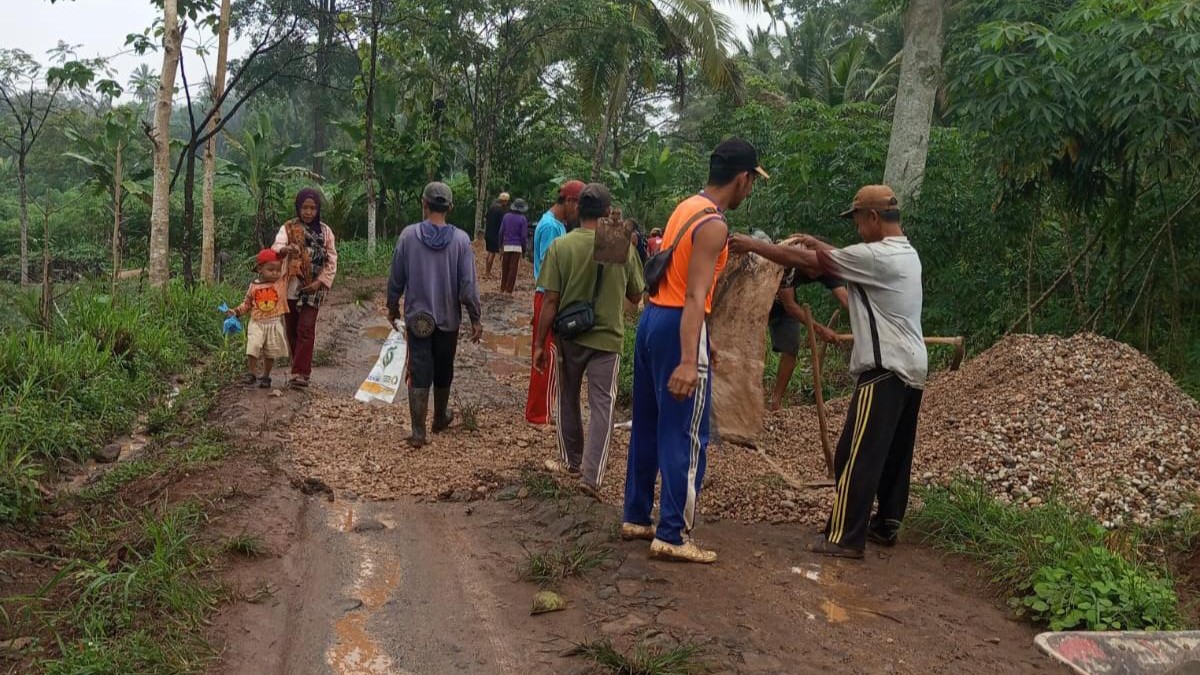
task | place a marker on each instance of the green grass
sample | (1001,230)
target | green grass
(1058,566)
(363,294)
(542,485)
(117,477)
(557,564)
(68,389)
(246,545)
(469,411)
(131,597)
(354,262)
(643,660)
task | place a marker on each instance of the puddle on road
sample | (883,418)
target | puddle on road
(834,613)
(377,332)
(341,516)
(376,582)
(508,345)
(355,651)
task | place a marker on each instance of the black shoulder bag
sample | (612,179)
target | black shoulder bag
(579,317)
(656,265)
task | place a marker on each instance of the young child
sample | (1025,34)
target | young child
(266,301)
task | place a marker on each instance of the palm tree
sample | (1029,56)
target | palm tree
(263,171)
(645,31)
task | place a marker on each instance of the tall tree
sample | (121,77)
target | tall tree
(494,51)
(647,30)
(920,77)
(326,17)
(209,225)
(160,210)
(29,101)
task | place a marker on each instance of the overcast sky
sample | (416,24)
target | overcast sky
(99,27)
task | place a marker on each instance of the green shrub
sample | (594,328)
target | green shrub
(1053,561)
(1097,589)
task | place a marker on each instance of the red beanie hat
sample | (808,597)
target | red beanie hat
(266,256)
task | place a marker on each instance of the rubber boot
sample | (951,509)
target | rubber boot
(442,417)
(418,408)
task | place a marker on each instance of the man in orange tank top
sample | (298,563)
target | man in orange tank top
(672,357)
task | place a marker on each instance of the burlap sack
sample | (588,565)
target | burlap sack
(614,236)
(738,326)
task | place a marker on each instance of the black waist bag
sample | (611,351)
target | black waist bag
(656,265)
(578,318)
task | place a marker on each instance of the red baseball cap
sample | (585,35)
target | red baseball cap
(266,256)
(571,189)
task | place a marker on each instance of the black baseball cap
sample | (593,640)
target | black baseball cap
(738,155)
(438,194)
(596,195)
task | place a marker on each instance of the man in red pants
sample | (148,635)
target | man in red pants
(552,226)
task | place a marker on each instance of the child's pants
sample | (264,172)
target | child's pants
(669,436)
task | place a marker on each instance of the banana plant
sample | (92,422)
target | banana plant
(262,170)
(112,171)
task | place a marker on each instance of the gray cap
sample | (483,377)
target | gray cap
(438,194)
(519,206)
(597,196)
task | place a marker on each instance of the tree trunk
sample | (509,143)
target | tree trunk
(482,171)
(920,75)
(160,210)
(326,8)
(615,103)
(208,237)
(24,197)
(47,279)
(265,236)
(189,214)
(372,199)
(116,235)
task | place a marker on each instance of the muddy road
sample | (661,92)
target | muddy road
(386,560)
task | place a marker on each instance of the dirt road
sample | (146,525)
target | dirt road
(385,560)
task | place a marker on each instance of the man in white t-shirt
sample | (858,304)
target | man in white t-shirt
(874,457)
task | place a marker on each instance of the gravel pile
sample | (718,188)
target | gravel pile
(1085,418)
(1088,418)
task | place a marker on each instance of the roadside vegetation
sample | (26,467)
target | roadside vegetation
(1060,568)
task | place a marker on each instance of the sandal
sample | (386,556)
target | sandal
(264,382)
(299,381)
(249,379)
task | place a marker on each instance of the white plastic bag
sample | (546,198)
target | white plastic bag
(387,376)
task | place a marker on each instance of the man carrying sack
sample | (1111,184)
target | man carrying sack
(672,388)
(433,268)
(874,455)
(584,307)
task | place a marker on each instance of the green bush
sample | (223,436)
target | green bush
(1097,589)
(1053,561)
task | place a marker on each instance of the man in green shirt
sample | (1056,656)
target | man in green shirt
(569,275)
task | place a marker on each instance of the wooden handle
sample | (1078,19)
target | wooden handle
(818,392)
(958,342)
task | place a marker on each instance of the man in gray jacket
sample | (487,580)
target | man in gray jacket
(433,268)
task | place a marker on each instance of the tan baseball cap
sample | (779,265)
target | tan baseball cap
(873,198)
(505,197)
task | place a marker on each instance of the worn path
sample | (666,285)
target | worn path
(422,585)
